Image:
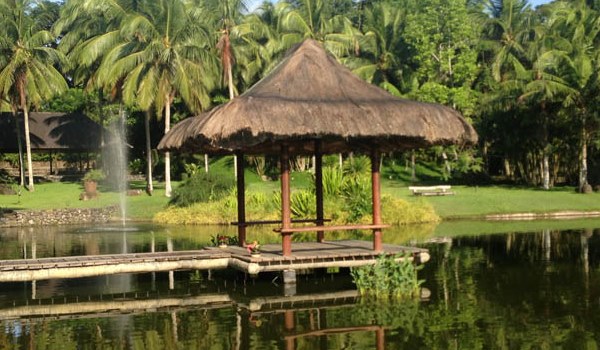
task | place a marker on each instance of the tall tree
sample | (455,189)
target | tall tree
(384,54)
(89,30)
(29,74)
(164,54)
(580,26)
(301,19)
(541,87)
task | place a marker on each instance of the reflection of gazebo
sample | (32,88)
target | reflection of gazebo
(310,104)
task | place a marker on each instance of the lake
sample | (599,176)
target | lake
(488,285)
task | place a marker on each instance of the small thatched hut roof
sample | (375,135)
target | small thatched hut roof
(52,131)
(310,96)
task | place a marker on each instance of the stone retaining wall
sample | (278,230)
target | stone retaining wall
(10,218)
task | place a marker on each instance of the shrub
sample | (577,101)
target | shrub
(303,204)
(357,166)
(94,175)
(389,277)
(332,181)
(201,187)
(357,195)
(400,212)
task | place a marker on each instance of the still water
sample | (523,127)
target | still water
(521,285)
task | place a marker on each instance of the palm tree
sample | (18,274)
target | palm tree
(228,14)
(29,73)
(164,54)
(302,19)
(506,31)
(89,30)
(541,87)
(381,61)
(580,26)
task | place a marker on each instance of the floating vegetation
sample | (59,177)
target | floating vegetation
(390,277)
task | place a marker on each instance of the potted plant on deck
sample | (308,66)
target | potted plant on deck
(222,241)
(254,249)
(90,182)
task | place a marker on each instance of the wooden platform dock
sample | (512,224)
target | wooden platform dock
(307,255)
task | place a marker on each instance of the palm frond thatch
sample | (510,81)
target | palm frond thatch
(310,96)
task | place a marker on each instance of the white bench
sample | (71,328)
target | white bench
(442,190)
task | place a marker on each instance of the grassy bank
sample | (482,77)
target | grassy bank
(476,202)
(66,195)
(468,202)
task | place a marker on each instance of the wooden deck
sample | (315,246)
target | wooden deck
(306,255)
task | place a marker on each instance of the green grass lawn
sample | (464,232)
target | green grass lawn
(467,202)
(66,195)
(480,201)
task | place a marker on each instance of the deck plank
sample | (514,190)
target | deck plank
(304,255)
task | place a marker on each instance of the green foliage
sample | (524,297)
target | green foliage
(201,187)
(137,166)
(389,277)
(94,175)
(333,181)
(396,211)
(356,191)
(303,204)
(223,239)
(72,100)
(357,166)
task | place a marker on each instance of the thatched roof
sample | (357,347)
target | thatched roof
(73,132)
(310,96)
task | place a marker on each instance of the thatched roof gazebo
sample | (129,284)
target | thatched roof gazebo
(52,131)
(311,104)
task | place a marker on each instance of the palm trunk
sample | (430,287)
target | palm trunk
(21,87)
(546,170)
(231,96)
(583,170)
(149,185)
(28,150)
(168,188)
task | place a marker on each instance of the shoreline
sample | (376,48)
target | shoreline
(22,218)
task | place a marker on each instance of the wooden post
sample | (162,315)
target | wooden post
(376,190)
(241,199)
(319,188)
(380,338)
(286,216)
(289,324)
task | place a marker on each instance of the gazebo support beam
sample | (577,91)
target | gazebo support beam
(286,215)
(241,199)
(376,191)
(319,188)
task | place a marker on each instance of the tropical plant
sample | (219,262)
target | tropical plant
(28,64)
(383,51)
(580,26)
(94,175)
(332,181)
(220,240)
(302,19)
(164,53)
(201,187)
(303,204)
(389,277)
(356,191)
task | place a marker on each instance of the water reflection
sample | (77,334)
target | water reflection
(518,289)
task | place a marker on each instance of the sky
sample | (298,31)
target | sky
(534,3)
